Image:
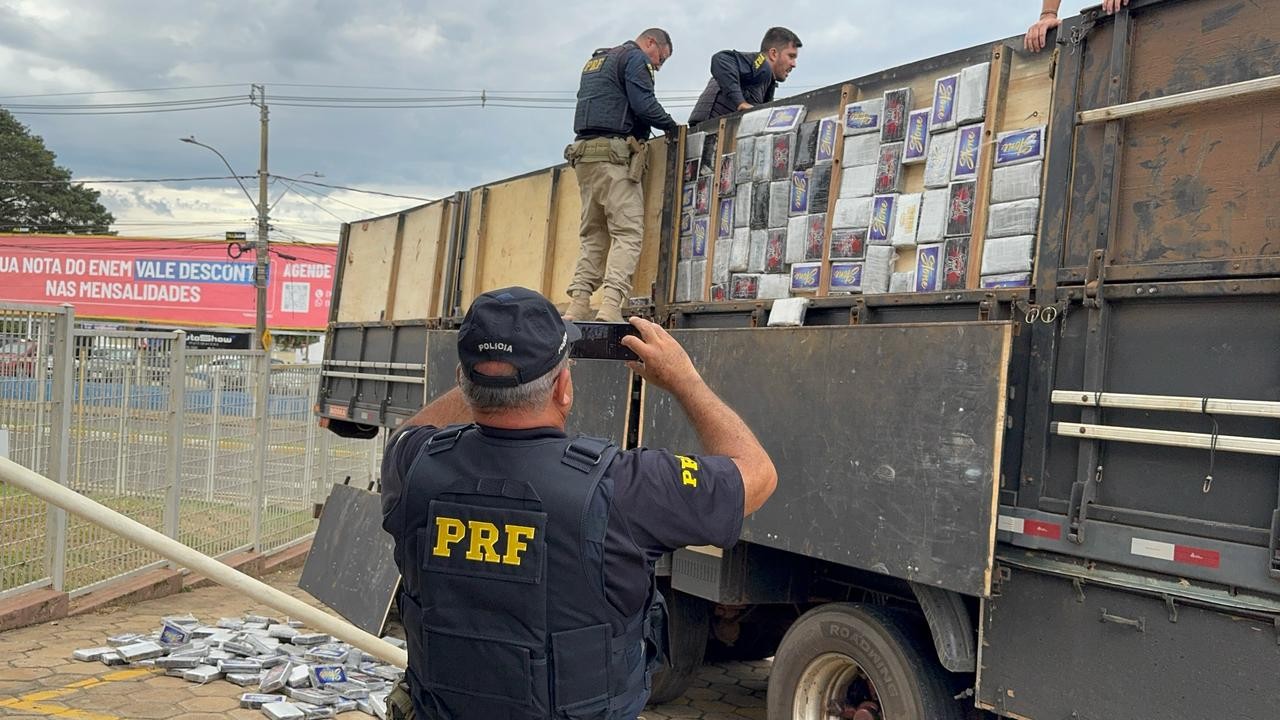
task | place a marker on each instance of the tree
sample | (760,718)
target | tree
(38,195)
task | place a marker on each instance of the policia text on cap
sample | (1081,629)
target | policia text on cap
(528,556)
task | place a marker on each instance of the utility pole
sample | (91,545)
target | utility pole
(260,273)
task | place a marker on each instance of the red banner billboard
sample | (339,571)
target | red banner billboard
(171,282)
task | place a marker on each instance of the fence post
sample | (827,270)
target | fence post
(262,403)
(60,439)
(177,430)
(215,379)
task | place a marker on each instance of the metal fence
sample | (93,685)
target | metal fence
(217,449)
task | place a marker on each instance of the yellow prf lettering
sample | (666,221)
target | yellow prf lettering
(484,536)
(516,535)
(448,531)
(687,468)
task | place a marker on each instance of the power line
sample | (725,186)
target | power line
(102,181)
(118,92)
(126,112)
(359,190)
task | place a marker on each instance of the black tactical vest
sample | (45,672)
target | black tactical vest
(502,597)
(603,108)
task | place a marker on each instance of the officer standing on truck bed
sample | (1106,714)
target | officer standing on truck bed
(527,556)
(615,113)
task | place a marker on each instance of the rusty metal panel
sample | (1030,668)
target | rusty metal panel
(887,440)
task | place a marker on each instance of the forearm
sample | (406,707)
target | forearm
(1049,7)
(448,409)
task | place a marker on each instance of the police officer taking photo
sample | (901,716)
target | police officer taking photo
(527,556)
(615,113)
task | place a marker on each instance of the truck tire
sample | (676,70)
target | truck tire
(839,656)
(688,624)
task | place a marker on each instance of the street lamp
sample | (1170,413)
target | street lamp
(261,208)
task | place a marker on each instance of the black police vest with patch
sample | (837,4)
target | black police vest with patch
(502,601)
(603,108)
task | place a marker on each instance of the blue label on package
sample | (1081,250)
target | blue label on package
(861,116)
(726,218)
(783,118)
(799,192)
(846,277)
(700,237)
(917,144)
(968,145)
(826,140)
(805,276)
(881,219)
(1020,145)
(944,100)
(928,268)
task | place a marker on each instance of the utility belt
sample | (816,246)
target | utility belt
(619,151)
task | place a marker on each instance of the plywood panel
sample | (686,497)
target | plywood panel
(1030,91)
(366,268)
(418,281)
(514,243)
(567,242)
(471,250)
(655,179)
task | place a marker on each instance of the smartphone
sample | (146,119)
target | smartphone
(603,341)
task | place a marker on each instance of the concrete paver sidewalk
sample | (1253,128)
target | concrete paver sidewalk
(39,680)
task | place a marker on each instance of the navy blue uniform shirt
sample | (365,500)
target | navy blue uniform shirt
(657,501)
(736,77)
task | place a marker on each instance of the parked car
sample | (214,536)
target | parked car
(19,358)
(229,373)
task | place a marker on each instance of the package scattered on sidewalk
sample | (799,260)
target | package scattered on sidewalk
(858,181)
(930,260)
(1016,182)
(942,115)
(1019,217)
(863,116)
(971,95)
(933,217)
(917,142)
(893,123)
(1007,254)
(860,150)
(877,268)
(937,165)
(906,220)
(1019,146)
(744,164)
(280,664)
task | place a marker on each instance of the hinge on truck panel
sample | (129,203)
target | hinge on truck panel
(1093,279)
(858,311)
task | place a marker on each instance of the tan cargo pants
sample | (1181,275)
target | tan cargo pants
(612,227)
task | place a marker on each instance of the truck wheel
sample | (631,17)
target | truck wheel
(688,623)
(858,661)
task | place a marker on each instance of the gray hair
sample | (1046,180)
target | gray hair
(528,396)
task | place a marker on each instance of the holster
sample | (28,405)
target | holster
(638,161)
(657,650)
(400,703)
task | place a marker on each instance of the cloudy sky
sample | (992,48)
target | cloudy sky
(117,52)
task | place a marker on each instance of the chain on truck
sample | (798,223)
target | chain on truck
(1049,496)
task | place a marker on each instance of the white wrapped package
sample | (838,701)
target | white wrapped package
(788,312)
(852,213)
(762,161)
(784,118)
(740,255)
(863,116)
(697,279)
(1008,255)
(683,271)
(693,145)
(774,286)
(860,150)
(932,227)
(859,181)
(1007,280)
(753,122)
(797,238)
(877,268)
(1016,182)
(1013,218)
(937,165)
(971,96)
(779,203)
(744,160)
(720,262)
(742,206)
(759,242)
(906,220)
(902,282)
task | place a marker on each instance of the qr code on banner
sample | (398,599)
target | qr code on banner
(295,297)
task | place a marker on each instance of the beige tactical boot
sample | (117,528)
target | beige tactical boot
(579,306)
(611,307)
